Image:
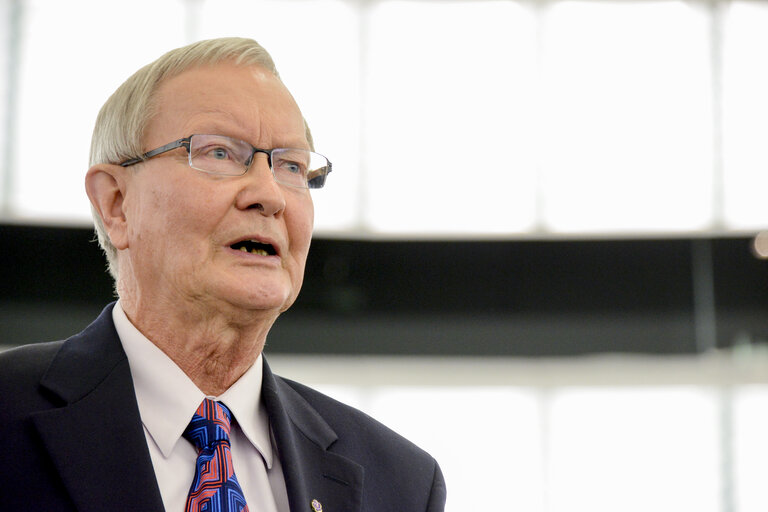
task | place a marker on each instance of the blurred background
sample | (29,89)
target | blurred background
(539,255)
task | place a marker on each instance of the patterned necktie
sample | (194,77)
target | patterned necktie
(215,487)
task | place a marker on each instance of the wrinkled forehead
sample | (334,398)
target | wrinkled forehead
(249,101)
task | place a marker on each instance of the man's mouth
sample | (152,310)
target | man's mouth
(254,247)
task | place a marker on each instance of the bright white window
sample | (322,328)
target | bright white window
(750,420)
(449,113)
(581,435)
(442,118)
(745,115)
(627,127)
(634,449)
(6,159)
(67,71)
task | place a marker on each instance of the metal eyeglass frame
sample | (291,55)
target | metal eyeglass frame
(186,142)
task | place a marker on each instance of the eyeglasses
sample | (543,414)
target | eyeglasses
(225,156)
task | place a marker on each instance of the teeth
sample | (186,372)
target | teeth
(260,252)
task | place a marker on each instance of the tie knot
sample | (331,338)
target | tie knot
(209,425)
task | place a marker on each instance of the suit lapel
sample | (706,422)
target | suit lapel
(97,443)
(96,439)
(303,438)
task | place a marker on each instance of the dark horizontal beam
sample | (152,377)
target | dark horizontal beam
(524,298)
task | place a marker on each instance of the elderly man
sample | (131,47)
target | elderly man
(201,166)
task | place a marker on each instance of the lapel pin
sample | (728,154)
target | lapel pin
(317,506)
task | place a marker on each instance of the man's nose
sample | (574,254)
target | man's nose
(260,190)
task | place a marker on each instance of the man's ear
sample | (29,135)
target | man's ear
(106,185)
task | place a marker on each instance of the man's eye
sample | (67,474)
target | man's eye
(292,167)
(219,153)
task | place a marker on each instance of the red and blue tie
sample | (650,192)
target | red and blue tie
(215,487)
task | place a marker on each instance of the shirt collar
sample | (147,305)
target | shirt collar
(168,398)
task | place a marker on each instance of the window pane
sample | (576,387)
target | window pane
(627,121)
(564,116)
(315,45)
(751,448)
(609,434)
(67,73)
(745,112)
(6,156)
(449,106)
(634,449)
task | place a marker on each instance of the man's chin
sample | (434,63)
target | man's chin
(264,300)
(263,293)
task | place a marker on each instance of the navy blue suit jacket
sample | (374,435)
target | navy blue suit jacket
(71,438)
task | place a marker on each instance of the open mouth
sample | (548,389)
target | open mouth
(254,247)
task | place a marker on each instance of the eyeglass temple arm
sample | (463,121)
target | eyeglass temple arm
(162,149)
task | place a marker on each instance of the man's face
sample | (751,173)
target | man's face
(185,228)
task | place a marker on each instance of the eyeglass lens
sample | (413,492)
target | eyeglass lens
(217,154)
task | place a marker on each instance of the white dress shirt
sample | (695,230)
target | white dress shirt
(167,400)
